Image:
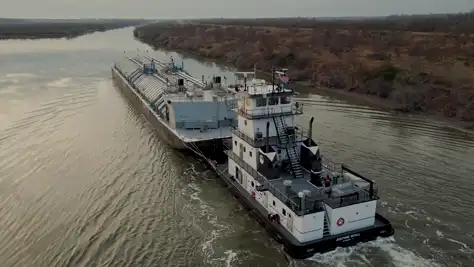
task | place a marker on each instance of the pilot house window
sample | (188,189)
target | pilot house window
(261,102)
(272,101)
(285,100)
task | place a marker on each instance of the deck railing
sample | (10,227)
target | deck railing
(264,182)
(311,203)
(330,165)
(359,197)
(259,113)
(300,135)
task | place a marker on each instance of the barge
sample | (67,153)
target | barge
(182,110)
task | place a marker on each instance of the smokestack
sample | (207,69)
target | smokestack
(267,148)
(301,196)
(310,131)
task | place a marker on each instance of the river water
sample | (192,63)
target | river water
(85,181)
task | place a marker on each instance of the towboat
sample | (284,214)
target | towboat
(278,171)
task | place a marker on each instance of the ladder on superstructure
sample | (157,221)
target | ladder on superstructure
(287,144)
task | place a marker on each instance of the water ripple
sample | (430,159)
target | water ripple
(84,181)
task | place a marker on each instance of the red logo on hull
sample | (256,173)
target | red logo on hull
(340,221)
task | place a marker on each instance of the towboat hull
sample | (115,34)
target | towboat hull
(383,228)
(295,249)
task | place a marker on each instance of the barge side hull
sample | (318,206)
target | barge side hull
(382,228)
(134,99)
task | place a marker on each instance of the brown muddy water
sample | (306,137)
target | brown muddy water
(84,181)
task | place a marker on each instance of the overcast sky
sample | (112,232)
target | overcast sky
(223,8)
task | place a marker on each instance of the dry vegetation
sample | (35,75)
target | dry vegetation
(51,29)
(422,63)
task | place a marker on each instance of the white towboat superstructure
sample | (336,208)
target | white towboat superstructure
(277,170)
(183,110)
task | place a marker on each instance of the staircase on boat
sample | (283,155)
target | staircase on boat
(287,143)
(326,225)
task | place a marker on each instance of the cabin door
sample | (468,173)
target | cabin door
(241,151)
(238,174)
(264,199)
(289,223)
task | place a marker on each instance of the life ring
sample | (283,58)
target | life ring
(340,222)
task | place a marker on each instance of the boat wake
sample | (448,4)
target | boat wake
(370,254)
(206,219)
(60,83)
(381,252)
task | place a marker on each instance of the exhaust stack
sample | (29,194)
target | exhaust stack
(267,146)
(310,132)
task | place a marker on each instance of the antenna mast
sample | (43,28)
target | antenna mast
(273,79)
(245,82)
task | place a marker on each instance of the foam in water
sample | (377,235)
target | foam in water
(231,255)
(62,82)
(16,78)
(205,211)
(399,256)
(359,255)
(464,247)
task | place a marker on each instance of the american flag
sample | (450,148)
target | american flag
(283,76)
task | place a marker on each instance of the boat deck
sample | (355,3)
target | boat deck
(188,135)
(342,193)
(172,77)
(222,171)
(339,196)
(204,96)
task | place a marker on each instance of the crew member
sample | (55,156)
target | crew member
(327,181)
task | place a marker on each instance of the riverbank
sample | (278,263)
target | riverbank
(53,29)
(428,72)
(306,88)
